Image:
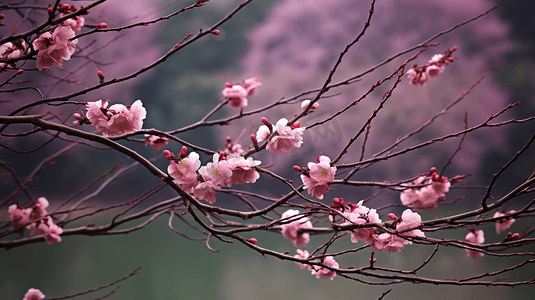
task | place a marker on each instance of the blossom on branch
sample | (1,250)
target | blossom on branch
(236,95)
(33,294)
(206,191)
(19,217)
(184,172)
(291,229)
(504,223)
(285,139)
(118,119)
(243,170)
(156,142)
(359,215)
(318,175)
(475,237)
(251,84)
(217,171)
(50,230)
(54,47)
(325,273)
(12,50)
(303,254)
(428,196)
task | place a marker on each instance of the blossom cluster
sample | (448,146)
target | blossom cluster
(117,119)
(35,218)
(475,237)
(317,176)
(75,23)
(292,229)
(237,93)
(405,226)
(54,47)
(320,272)
(224,170)
(33,294)
(13,49)
(419,75)
(429,191)
(285,139)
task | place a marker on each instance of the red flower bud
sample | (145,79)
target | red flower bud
(298,169)
(2,16)
(228,84)
(102,25)
(252,240)
(392,216)
(265,121)
(50,10)
(183,152)
(515,236)
(229,139)
(216,32)
(20,71)
(433,170)
(100,74)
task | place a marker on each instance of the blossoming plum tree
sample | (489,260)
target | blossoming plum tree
(200,176)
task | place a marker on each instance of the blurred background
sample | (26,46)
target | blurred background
(291,44)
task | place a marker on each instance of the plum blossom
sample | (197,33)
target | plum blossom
(217,171)
(233,149)
(305,103)
(236,95)
(156,142)
(426,197)
(243,170)
(54,47)
(19,217)
(303,254)
(417,77)
(12,50)
(504,223)
(50,231)
(252,84)
(117,119)
(291,229)
(325,273)
(33,294)
(475,237)
(386,242)
(318,176)
(359,215)
(39,209)
(285,139)
(184,172)
(206,191)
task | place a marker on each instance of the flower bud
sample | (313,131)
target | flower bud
(216,32)
(2,16)
(515,236)
(265,121)
(20,71)
(433,170)
(298,169)
(229,140)
(50,11)
(168,155)
(102,25)
(392,216)
(183,152)
(252,240)
(228,84)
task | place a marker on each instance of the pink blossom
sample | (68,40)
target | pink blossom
(251,84)
(75,23)
(475,237)
(217,171)
(184,172)
(19,217)
(54,47)
(291,229)
(426,197)
(50,231)
(206,191)
(314,189)
(33,294)
(157,142)
(504,223)
(409,220)
(286,138)
(417,78)
(305,103)
(325,273)
(234,149)
(322,172)
(118,119)
(386,242)
(433,71)
(303,254)
(243,170)
(12,50)
(39,209)
(236,95)
(360,215)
